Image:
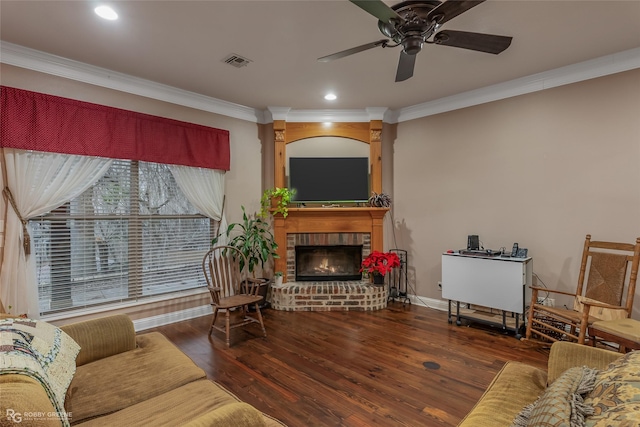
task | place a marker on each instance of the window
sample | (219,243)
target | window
(133,235)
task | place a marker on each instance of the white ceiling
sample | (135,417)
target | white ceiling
(182,44)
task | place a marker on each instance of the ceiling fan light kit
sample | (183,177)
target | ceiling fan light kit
(413,23)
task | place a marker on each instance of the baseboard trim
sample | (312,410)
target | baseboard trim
(204,310)
(173,317)
(436,304)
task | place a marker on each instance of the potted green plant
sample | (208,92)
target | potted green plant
(378,264)
(254,239)
(282,197)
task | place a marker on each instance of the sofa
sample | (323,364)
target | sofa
(122,379)
(582,386)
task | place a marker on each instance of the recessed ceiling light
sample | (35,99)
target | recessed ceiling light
(330,97)
(106,12)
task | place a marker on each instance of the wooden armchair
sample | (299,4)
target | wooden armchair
(606,289)
(231,288)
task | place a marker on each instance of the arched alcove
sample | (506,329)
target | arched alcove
(366,132)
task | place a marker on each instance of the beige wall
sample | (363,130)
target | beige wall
(242,182)
(542,169)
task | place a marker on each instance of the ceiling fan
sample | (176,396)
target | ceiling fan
(412,23)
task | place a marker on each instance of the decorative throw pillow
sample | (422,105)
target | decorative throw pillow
(41,351)
(561,404)
(616,394)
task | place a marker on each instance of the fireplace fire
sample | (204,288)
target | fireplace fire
(327,263)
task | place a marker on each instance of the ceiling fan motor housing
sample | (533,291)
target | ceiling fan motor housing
(411,45)
(416,26)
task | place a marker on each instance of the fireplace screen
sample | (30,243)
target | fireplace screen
(324,263)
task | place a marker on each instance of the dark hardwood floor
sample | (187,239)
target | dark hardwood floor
(356,368)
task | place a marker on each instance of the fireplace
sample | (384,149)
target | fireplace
(324,226)
(351,247)
(321,228)
(325,263)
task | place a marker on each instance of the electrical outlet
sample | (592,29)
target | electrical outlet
(549,302)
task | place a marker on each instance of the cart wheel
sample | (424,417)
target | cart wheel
(450,321)
(458,322)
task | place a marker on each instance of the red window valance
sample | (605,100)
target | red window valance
(36,121)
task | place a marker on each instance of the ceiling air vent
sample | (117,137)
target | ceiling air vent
(236,60)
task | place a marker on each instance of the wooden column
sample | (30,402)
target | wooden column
(279,133)
(280,237)
(279,180)
(375,155)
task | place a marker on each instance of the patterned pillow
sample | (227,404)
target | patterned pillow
(616,395)
(561,404)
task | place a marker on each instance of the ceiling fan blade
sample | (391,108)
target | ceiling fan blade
(489,43)
(378,9)
(450,9)
(405,67)
(353,50)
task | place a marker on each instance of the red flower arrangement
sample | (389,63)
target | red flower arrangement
(380,262)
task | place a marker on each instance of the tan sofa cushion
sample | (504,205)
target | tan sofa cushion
(195,402)
(565,355)
(22,400)
(102,337)
(236,414)
(516,385)
(107,385)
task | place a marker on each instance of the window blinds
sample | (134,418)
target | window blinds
(133,235)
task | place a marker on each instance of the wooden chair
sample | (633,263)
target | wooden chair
(600,294)
(231,288)
(624,332)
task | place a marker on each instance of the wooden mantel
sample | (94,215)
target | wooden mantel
(328,220)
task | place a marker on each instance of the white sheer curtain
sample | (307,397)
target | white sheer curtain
(205,190)
(39,182)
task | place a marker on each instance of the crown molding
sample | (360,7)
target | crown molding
(35,60)
(276,113)
(289,115)
(31,59)
(598,67)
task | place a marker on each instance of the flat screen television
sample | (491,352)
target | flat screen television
(329,179)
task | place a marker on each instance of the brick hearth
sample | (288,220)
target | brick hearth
(329,296)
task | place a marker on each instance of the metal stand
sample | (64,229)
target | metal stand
(398,279)
(507,326)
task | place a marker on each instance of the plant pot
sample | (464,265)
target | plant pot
(378,279)
(277,281)
(263,290)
